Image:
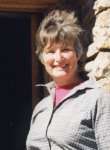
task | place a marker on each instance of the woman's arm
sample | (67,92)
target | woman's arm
(102,122)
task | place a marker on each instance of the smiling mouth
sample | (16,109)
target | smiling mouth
(61,67)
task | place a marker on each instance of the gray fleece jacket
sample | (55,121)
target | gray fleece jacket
(80,122)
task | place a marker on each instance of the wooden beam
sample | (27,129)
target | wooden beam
(25,5)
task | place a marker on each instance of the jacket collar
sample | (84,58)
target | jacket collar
(90,84)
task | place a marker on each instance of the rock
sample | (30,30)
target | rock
(103,19)
(89,66)
(102,65)
(92,50)
(101,5)
(100,44)
(100,69)
(100,32)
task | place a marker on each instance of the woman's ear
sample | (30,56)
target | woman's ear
(78,56)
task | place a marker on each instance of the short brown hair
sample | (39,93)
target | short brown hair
(59,26)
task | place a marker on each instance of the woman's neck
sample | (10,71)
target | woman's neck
(67,83)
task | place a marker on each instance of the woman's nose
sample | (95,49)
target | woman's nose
(58,56)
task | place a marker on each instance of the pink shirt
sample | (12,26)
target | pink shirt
(61,92)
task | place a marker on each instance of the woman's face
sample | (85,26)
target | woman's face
(61,63)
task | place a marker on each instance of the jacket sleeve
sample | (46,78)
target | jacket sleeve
(102,122)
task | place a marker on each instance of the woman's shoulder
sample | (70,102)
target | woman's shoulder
(94,90)
(41,105)
(98,92)
(44,102)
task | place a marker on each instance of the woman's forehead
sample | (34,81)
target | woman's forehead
(61,44)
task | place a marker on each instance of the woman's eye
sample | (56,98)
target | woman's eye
(51,52)
(65,50)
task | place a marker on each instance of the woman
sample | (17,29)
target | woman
(76,113)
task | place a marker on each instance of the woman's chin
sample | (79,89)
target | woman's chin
(60,74)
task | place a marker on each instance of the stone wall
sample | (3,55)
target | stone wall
(98,52)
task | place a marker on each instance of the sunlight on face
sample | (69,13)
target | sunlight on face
(60,62)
